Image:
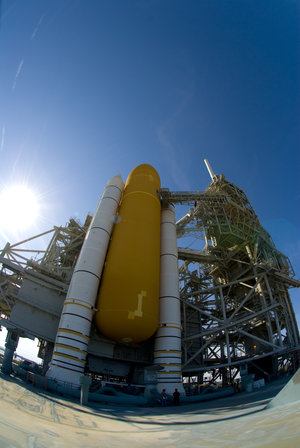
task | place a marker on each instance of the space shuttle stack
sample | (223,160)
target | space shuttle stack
(128,304)
(139,284)
(70,350)
(167,350)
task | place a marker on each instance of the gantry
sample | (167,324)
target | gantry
(236,311)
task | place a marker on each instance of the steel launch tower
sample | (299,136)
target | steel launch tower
(236,310)
(230,314)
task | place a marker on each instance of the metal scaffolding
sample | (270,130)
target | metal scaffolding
(237,316)
(56,262)
(236,309)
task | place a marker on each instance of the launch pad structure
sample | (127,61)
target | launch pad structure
(236,313)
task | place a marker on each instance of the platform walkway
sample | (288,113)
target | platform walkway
(32,418)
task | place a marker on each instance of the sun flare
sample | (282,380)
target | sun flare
(19,208)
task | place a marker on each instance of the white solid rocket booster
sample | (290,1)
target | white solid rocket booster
(70,350)
(167,350)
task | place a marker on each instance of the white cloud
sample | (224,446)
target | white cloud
(2,139)
(164,134)
(18,73)
(34,33)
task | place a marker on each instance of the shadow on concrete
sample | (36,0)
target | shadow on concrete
(234,407)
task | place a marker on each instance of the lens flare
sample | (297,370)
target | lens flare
(19,208)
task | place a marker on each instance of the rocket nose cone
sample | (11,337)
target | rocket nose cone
(117,181)
(145,171)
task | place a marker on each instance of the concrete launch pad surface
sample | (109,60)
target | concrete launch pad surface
(33,419)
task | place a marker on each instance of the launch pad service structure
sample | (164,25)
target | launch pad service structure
(117,299)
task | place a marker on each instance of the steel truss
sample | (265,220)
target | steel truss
(56,262)
(236,308)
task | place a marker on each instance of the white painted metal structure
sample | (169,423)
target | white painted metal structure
(70,350)
(236,312)
(209,168)
(167,351)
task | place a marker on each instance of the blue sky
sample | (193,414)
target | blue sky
(92,88)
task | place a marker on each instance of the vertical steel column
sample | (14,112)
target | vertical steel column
(275,311)
(11,343)
(226,330)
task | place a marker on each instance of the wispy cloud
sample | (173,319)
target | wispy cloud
(34,33)
(19,69)
(164,135)
(2,138)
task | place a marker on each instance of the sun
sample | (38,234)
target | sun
(19,208)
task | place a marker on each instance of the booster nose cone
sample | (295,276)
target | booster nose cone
(128,301)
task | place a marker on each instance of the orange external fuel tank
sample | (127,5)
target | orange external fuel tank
(128,301)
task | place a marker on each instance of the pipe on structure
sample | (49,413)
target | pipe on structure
(209,169)
(167,350)
(70,350)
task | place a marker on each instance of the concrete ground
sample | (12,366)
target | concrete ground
(33,419)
